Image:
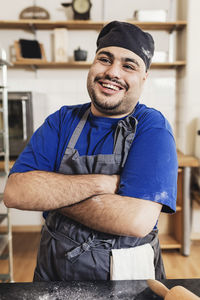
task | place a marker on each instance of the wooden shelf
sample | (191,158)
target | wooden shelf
(85,25)
(168,242)
(187,160)
(84,64)
(52,65)
(168,65)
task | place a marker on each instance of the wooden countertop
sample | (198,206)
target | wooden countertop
(183,161)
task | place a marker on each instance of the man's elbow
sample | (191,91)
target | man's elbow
(141,229)
(8,197)
(10,194)
(7,200)
(145,220)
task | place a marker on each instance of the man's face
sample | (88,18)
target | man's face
(115,81)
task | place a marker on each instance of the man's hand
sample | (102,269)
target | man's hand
(109,183)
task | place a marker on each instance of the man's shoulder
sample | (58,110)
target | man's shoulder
(68,112)
(149,117)
(73,109)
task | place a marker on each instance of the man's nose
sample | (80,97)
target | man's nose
(113,71)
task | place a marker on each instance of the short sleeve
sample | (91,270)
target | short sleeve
(41,151)
(150,171)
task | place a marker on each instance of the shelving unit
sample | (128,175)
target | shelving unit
(33,25)
(5,235)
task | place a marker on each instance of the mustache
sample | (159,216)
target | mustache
(114,80)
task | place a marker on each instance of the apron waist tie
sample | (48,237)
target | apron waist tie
(75,253)
(91,242)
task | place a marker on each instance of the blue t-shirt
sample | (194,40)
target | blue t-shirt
(150,171)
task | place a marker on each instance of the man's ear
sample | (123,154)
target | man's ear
(146,75)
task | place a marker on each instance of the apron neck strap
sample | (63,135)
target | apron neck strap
(74,138)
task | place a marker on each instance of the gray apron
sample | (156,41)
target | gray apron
(71,251)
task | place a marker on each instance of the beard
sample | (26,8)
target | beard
(102,103)
(106,107)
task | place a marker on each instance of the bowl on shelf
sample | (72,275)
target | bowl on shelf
(80,55)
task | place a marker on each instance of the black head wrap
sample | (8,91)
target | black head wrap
(128,36)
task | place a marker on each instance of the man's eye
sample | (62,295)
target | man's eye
(129,67)
(104,60)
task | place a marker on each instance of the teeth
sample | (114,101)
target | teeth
(110,86)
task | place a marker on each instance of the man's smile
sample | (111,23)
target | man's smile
(110,86)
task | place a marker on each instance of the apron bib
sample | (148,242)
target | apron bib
(71,251)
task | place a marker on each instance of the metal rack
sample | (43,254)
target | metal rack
(6,252)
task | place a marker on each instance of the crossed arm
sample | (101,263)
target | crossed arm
(89,199)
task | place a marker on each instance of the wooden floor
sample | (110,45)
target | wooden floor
(25,251)
(179,266)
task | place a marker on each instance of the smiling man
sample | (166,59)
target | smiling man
(102,171)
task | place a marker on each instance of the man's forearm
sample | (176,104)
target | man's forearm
(116,214)
(40,190)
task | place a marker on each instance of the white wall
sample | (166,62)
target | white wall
(188,105)
(54,88)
